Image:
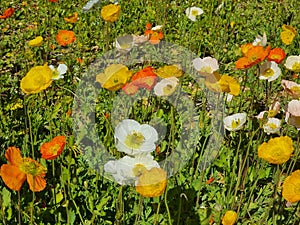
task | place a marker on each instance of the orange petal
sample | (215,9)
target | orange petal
(36,183)
(13,156)
(12,176)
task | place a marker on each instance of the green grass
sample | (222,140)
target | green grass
(76,193)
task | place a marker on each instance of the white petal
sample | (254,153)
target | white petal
(62,69)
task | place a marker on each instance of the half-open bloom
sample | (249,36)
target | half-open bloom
(277,150)
(152,183)
(72,19)
(206,66)
(291,187)
(37,79)
(229,85)
(229,218)
(277,55)
(292,115)
(124,43)
(166,87)
(134,138)
(235,122)
(291,88)
(293,63)
(51,150)
(260,40)
(269,71)
(20,169)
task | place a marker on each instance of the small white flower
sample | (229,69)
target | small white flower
(127,169)
(272,126)
(260,40)
(293,63)
(192,12)
(157,28)
(206,66)
(124,43)
(235,121)
(166,86)
(134,138)
(269,71)
(59,71)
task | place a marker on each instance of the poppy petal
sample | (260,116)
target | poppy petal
(13,156)
(12,176)
(36,183)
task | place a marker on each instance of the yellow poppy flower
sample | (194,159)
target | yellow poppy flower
(114,77)
(229,218)
(288,34)
(110,13)
(152,183)
(169,71)
(37,79)
(229,85)
(291,187)
(277,151)
(38,41)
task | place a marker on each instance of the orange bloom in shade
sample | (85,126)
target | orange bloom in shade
(148,26)
(50,150)
(152,183)
(155,34)
(291,187)
(7,13)
(65,37)
(52,0)
(252,56)
(277,55)
(19,169)
(146,72)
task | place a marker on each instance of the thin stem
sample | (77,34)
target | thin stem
(167,207)
(19,209)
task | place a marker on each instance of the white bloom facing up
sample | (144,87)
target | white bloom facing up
(59,71)
(166,86)
(235,122)
(272,126)
(269,71)
(133,138)
(127,169)
(192,12)
(260,40)
(293,63)
(206,66)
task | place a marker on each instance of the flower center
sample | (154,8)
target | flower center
(32,167)
(54,149)
(235,123)
(139,169)
(194,13)
(268,73)
(168,89)
(272,125)
(206,69)
(134,140)
(296,67)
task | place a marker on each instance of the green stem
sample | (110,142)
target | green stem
(19,209)
(167,207)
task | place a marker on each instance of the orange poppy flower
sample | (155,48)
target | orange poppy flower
(65,37)
(7,13)
(52,149)
(148,26)
(146,72)
(19,169)
(252,56)
(277,55)
(72,19)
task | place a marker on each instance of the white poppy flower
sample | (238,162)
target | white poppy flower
(192,12)
(134,138)
(272,126)
(59,71)
(157,28)
(269,71)
(260,40)
(124,43)
(235,121)
(166,86)
(127,169)
(206,66)
(292,116)
(293,63)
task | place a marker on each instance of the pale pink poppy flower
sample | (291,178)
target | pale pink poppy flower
(291,88)
(292,116)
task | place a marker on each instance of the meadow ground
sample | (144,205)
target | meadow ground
(66,141)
